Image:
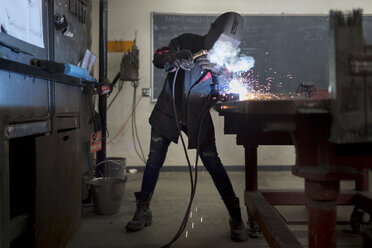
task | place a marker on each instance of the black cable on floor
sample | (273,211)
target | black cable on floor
(193,183)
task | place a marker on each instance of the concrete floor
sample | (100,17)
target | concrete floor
(208,225)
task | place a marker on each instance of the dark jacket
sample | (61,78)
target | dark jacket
(189,109)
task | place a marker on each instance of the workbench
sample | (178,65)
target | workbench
(306,124)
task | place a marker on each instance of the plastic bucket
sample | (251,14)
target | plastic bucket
(107,194)
(112,167)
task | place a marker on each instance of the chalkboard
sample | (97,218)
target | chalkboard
(288,49)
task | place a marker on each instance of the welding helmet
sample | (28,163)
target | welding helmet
(227,27)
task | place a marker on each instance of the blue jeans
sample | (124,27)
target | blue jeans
(158,151)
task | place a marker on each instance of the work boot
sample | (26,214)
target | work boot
(237,229)
(143,216)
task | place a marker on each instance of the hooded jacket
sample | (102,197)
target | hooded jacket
(191,91)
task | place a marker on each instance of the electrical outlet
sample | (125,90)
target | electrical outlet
(146,91)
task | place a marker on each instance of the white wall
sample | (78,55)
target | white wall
(128,16)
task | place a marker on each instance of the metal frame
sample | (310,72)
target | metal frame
(27,128)
(11,229)
(316,161)
(23,119)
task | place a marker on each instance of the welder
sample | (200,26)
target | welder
(194,82)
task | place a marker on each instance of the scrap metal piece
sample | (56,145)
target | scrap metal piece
(307,88)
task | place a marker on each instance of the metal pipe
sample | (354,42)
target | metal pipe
(102,101)
(50,54)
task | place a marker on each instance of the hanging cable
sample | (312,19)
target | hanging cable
(121,84)
(184,221)
(135,135)
(195,179)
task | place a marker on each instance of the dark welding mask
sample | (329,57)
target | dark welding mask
(227,27)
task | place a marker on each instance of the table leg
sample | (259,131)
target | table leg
(322,205)
(251,184)
(250,168)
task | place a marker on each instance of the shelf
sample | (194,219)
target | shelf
(34,71)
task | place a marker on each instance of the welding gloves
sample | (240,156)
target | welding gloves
(205,64)
(180,59)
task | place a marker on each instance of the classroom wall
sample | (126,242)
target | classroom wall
(126,17)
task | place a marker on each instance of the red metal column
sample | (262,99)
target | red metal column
(250,167)
(362,183)
(314,162)
(322,204)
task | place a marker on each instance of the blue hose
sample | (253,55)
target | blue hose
(76,71)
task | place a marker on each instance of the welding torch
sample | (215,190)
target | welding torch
(199,54)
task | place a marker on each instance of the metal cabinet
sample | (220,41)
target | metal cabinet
(44,133)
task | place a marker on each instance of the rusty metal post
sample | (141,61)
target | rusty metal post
(250,168)
(322,207)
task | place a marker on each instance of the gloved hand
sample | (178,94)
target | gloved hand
(205,64)
(182,59)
